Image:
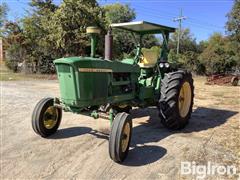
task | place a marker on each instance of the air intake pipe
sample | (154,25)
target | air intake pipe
(93,32)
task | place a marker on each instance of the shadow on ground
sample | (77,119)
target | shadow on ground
(70,132)
(152,131)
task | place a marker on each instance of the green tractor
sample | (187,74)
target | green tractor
(106,88)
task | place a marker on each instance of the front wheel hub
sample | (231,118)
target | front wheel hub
(50,117)
(125,137)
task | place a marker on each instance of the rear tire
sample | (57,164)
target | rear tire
(120,137)
(176,101)
(46,117)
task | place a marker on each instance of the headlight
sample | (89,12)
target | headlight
(167,65)
(161,65)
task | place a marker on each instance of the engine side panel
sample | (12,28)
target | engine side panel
(87,82)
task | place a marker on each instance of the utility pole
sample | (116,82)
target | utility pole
(179,19)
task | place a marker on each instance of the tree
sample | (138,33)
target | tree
(123,41)
(189,51)
(40,50)
(187,41)
(233,29)
(26,39)
(14,41)
(51,32)
(233,24)
(218,56)
(118,13)
(69,22)
(3,13)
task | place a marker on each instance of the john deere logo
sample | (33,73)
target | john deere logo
(94,70)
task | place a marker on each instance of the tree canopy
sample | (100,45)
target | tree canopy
(68,25)
(118,13)
(233,24)
(52,31)
(3,13)
(218,56)
(124,42)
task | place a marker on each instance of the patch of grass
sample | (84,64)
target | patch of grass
(8,75)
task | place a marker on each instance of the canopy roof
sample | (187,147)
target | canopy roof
(143,27)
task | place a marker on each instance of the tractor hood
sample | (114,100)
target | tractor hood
(87,64)
(86,81)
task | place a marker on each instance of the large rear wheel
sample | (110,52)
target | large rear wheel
(176,101)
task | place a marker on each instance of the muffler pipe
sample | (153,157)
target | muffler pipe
(108,45)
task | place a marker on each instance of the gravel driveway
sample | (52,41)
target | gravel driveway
(79,150)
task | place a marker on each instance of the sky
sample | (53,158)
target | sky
(203,17)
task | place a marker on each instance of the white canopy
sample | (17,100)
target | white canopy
(143,27)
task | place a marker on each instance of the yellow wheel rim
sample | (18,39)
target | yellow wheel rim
(50,117)
(125,137)
(184,100)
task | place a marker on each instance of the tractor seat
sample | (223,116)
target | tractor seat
(149,58)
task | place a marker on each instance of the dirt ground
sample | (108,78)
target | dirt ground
(79,150)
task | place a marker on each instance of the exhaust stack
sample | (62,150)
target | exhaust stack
(108,45)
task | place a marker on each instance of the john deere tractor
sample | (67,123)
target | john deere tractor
(107,88)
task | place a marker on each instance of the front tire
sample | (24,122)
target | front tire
(46,117)
(176,101)
(120,137)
